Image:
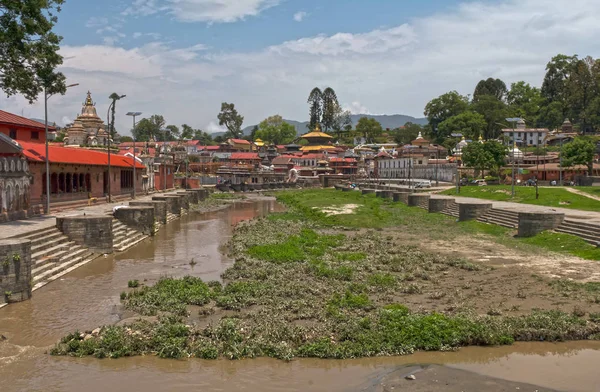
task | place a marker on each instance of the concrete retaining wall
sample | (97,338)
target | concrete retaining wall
(368,191)
(532,223)
(185,200)
(91,231)
(140,218)
(160,209)
(173,203)
(401,197)
(15,270)
(418,200)
(193,197)
(471,211)
(439,204)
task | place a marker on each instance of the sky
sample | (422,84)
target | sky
(182,58)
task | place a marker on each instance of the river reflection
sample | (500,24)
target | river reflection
(89,297)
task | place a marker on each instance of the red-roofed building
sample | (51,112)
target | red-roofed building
(344,165)
(21,128)
(77,173)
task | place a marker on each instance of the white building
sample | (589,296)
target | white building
(526,136)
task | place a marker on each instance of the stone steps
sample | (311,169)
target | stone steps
(451,210)
(62,269)
(171,217)
(587,231)
(125,237)
(499,217)
(64,260)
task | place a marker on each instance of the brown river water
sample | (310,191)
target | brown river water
(89,297)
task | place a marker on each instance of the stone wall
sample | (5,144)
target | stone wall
(140,218)
(532,223)
(173,203)
(418,200)
(445,172)
(471,211)
(193,197)
(91,231)
(160,209)
(401,197)
(15,270)
(184,200)
(438,204)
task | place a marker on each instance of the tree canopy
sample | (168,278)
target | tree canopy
(443,107)
(150,129)
(369,128)
(29,48)
(580,151)
(231,119)
(325,109)
(274,130)
(470,124)
(490,87)
(484,156)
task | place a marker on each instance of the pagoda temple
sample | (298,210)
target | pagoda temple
(317,141)
(88,129)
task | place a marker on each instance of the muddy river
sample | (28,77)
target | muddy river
(89,297)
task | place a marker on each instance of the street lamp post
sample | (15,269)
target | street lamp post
(46,97)
(513,120)
(134,115)
(110,125)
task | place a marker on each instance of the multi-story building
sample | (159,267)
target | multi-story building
(524,136)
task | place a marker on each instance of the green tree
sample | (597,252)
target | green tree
(581,90)
(315,102)
(494,111)
(187,132)
(580,151)
(331,109)
(470,124)
(173,132)
(442,108)
(126,139)
(276,131)
(494,87)
(554,87)
(551,115)
(230,118)
(29,49)
(484,156)
(204,138)
(150,129)
(407,133)
(369,128)
(525,101)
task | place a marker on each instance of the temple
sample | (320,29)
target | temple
(317,141)
(88,129)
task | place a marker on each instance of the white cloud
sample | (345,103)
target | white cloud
(213,127)
(356,108)
(96,21)
(137,35)
(299,16)
(393,70)
(223,11)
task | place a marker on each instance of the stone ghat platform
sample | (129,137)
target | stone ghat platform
(526,223)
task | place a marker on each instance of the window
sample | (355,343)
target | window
(35,135)
(12,133)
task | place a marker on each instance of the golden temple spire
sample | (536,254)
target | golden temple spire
(88,100)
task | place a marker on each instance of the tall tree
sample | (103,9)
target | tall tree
(369,128)
(150,129)
(470,124)
(204,138)
(554,87)
(484,156)
(276,131)
(230,118)
(407,133)
(29,49)
(187,132)
(494,87)
(581,90)
(111,130)
(443,107)
(580,151)
(315,102)
(525,101)
(494,111)
(331,109)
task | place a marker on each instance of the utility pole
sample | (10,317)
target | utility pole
(111,126)
(560,169)
(134,115)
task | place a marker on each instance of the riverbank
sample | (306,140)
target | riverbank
(307,284)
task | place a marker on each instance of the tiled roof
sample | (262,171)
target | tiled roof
(13,119)
(348,160)
(36,152)
(282,160)
(244,156)
(240,141)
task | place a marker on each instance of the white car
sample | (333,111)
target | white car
(423,184)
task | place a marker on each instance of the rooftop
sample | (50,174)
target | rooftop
(12,119)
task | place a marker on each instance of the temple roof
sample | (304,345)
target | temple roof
(89,108)
(316,134)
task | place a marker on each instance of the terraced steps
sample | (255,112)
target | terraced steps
(54,255)
(587,231)
(451,210)
(125,237)
(499,217)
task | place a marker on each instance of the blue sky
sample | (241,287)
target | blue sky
(182,58)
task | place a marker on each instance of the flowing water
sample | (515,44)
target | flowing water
(89,297)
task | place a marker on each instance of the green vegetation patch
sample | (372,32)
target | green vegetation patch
(551,197)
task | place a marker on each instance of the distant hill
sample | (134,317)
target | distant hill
(386,121)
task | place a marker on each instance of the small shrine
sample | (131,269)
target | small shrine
(88,129)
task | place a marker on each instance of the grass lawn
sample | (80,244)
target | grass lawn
(377,213)
(592,190)
(551,197)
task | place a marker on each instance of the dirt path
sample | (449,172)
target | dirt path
(582,193)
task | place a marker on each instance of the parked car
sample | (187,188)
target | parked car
(479,182)
(423,184)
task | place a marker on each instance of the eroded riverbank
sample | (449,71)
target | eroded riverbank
(32,370)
